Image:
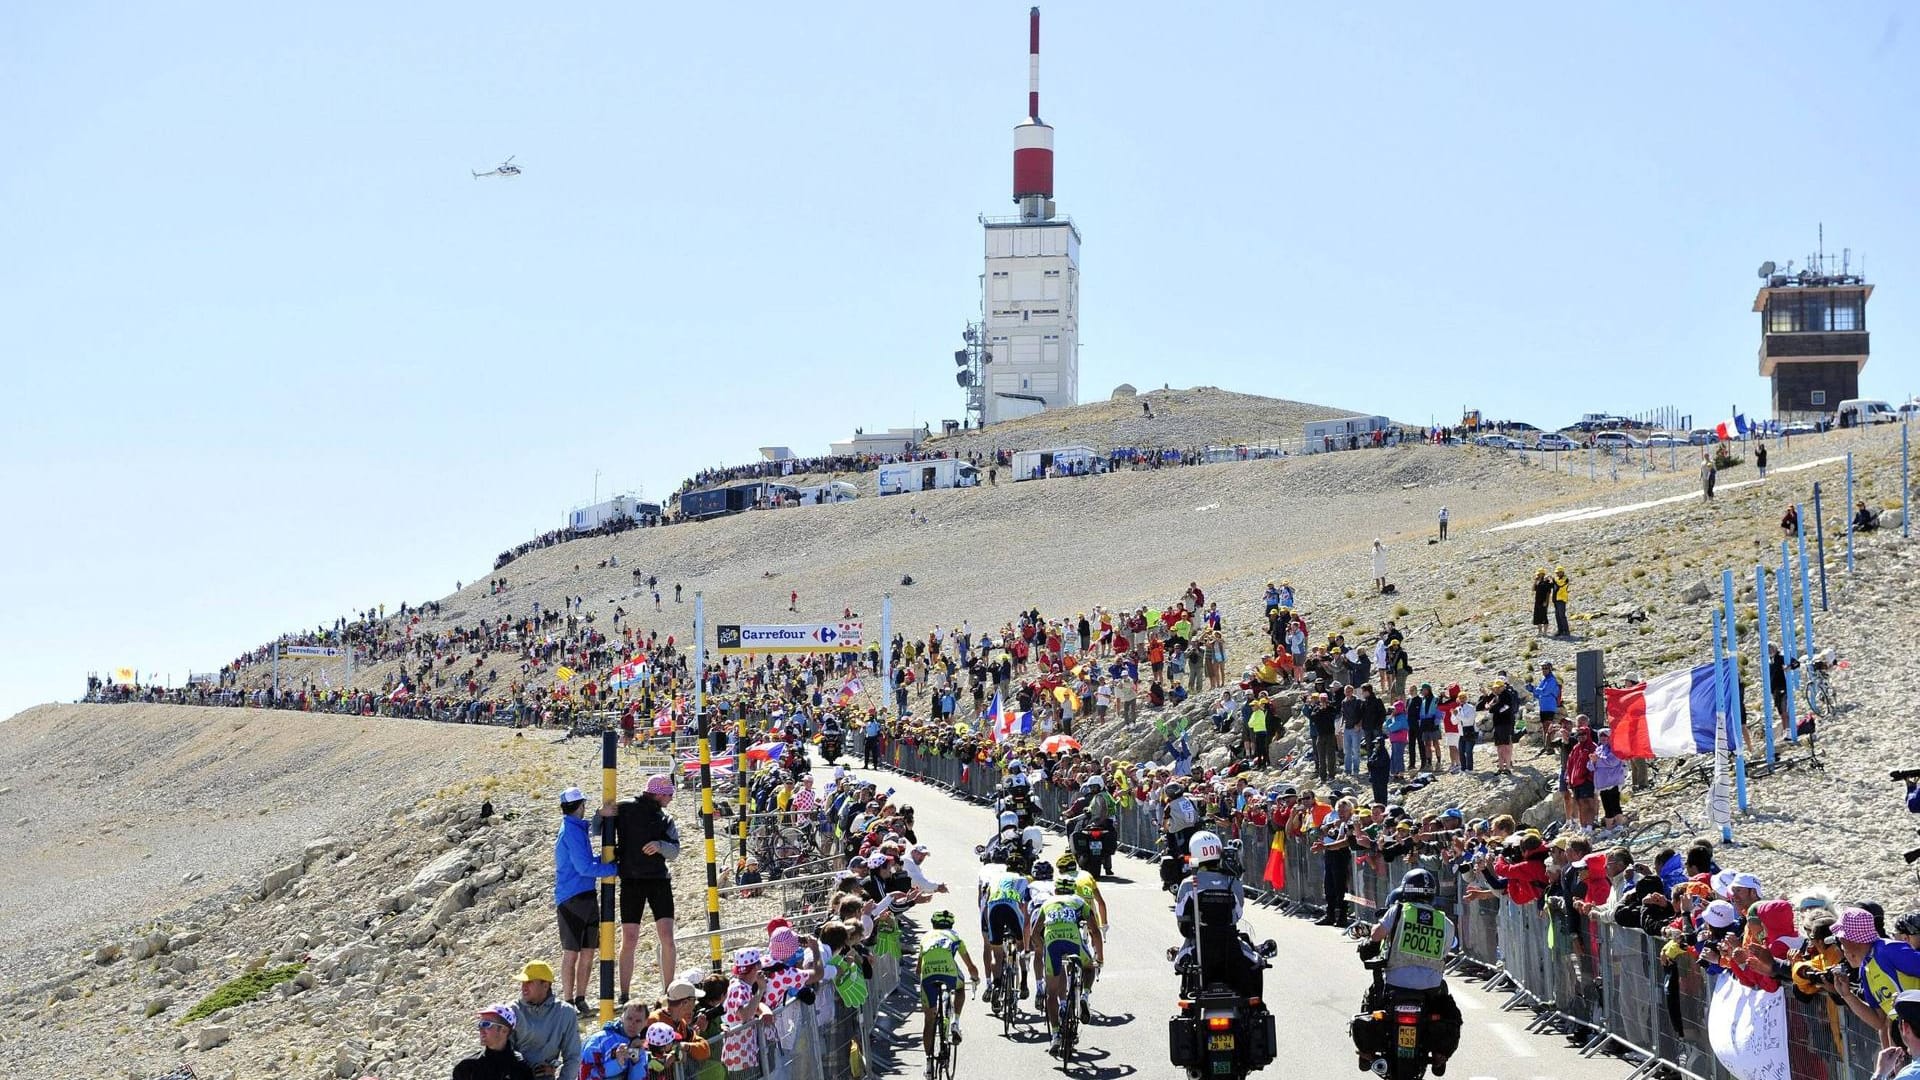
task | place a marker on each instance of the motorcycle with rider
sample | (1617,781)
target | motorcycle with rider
(1408,1021)
(1090,822)
(1223,1027)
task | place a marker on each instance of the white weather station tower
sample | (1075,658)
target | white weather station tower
(1024,354)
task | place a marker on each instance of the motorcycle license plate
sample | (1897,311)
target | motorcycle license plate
(1409,1036)
(1096,847)
(1219,1042)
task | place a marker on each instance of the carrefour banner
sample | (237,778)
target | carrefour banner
(793,638)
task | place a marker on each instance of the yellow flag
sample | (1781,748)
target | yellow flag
(565,673)
(125,676)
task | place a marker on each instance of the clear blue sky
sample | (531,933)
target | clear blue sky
(269,353)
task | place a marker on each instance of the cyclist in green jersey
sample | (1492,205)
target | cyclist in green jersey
(1063,929)
(940,958)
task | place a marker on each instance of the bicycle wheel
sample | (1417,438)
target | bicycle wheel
(950,1050)
(1069,1016)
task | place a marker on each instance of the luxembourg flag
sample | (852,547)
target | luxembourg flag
(1671,716)
(1735,428)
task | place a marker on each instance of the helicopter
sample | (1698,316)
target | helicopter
(505,168)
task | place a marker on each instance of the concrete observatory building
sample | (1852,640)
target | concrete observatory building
(1029,335)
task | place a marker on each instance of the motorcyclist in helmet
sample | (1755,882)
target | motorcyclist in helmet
(1417,937)
(1006,842)
(1238,968)
(1092,808)
(1016,794)
(1180,820)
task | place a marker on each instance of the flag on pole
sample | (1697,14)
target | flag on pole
(1671,716)
(563,673)
(1277,860)
(1733,428)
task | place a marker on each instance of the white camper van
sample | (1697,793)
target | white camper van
(832,492)
(1055,461)
(927,476)
(1860,412)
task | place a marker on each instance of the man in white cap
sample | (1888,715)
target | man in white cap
(575,870)
(918,873)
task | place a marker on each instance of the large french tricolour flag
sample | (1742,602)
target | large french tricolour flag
(1671,716)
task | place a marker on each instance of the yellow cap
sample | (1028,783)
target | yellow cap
(536,971)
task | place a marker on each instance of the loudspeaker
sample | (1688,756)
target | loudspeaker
(1590,675)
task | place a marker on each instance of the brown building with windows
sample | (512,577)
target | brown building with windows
(1813,340)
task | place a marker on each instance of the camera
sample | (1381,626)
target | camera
(1908,775)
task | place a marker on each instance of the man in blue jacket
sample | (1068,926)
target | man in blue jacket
(1547,693)
(575,870)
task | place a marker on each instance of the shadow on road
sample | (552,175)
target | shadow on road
(1086,1064)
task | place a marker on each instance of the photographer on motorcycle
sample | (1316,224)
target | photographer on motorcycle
(1416,937)
(1092,808)
(1010,845)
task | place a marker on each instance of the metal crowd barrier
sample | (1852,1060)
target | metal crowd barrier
(1576,973)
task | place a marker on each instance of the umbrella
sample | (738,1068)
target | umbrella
(1059,744)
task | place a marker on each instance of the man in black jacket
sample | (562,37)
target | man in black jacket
(645,840)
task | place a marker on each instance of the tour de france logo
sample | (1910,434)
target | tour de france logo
(729,637)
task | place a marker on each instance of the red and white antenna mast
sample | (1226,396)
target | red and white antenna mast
(1033,140)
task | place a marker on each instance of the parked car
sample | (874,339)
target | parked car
(1553,440)
(1703,436)
(1661,440)
(1801,427)
(1499,442)
(1617,440)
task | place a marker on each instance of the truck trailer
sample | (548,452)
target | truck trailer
(927,476)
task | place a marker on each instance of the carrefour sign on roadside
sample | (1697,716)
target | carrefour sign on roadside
(797,638)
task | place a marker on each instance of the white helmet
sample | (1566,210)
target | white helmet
(1035,836)
(1096,783)
(1204,847)
(1009,820)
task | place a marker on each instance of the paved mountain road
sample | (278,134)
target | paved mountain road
(1313,988)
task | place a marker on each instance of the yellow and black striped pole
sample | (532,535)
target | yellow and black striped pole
(740,765)
(609,794)
(700,725)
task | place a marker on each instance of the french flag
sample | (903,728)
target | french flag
(1735,428)
(1671,716)
(1005,723)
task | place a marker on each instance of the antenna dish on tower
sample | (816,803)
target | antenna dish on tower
(1767,268)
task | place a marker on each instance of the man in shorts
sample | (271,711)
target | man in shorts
(1065,925)
(646,839)
(940,958)
(1003,910)
(576,871)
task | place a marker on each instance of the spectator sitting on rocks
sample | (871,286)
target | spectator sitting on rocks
(612,1052)
(546,1031)
(497,1059)
(1790,521)
(1864,520)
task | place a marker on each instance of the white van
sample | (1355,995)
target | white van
(1860,412)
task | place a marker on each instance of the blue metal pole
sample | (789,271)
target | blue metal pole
(1849,513)
(1788,650)
(1806,598)
(1734,701)
(1723,723)
(1906,485)
(1765,654)
(1820,544)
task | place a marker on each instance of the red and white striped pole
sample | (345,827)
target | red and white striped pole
(1033,63)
